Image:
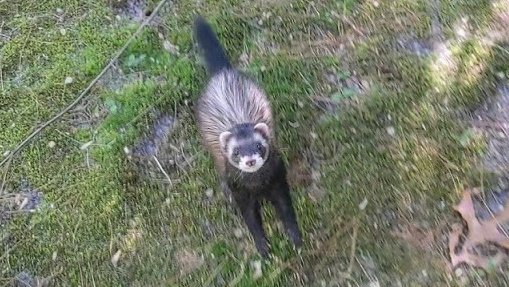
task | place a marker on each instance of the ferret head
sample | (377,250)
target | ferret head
(246,146)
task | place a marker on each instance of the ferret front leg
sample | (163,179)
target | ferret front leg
(250,210)
(280,198)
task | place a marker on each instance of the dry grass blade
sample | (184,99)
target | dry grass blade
(353,247)
(4,177)
(162,170)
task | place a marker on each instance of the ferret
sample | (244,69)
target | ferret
(234,119)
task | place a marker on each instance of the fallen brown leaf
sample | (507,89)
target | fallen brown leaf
(480,232)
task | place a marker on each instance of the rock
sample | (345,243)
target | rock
(238,233)
(257,269)
(209,192)
(391,131)
(115,258)
(363,204)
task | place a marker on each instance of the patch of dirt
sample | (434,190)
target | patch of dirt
(304,171)
(420,238)
(19,201)
(6,34)
(493,119)
(24,279)
(299,171)
(484,243)
(115,78)
(138,10)
(415,46)
(188,261)
(341,90)
(91,111)
(165,152)
(24,199)
(87,114)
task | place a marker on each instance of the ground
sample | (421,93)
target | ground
(384,111)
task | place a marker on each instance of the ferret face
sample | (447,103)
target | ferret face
(246,146)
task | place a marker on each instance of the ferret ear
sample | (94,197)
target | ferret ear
(223,139)
(262,128)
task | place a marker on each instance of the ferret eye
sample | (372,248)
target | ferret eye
(236,152)
(259,146)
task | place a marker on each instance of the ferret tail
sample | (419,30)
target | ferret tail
(212,51)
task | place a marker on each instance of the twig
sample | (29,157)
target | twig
(352,25)
(8,197)
(174,148)
(4,177)
(364,269)
(88,88)
(184,155)
(352,248)
(162,169)
(1,70)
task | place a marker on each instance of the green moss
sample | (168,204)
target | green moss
(478,13)
(91,209)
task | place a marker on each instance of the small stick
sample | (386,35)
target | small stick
(352,25)
(352,248)
(162,169)
(4,177)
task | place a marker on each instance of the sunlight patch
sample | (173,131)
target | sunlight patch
(443,66)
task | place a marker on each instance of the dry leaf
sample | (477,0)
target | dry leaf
(479,232)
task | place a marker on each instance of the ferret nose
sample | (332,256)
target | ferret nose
(251,162)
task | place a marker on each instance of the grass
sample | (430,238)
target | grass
(398,143)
